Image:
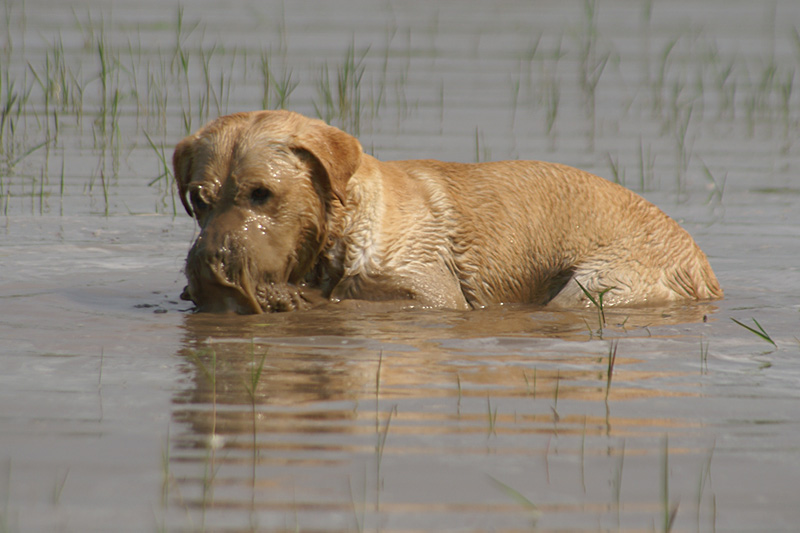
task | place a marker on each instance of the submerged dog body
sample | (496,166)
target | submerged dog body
(291,210)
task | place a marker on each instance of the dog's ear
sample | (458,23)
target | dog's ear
(337,152)
(182,167)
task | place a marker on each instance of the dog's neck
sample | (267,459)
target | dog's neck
(351,250)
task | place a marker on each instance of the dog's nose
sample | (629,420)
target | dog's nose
(218,299)
(219,278)
(213,293)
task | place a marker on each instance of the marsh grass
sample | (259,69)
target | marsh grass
(683,145)
(520,499)
(647,162)
(612,360)
(458,384)
(358,517)
(169,482)
(592,64)
(669,509)
(704,480)
(716,188)
(175,88)
(661,79)
(552,92)
(549,83)
(166,472)
(165,171)
(482,152)
(617,173)
(276,88)
(703,357)
(515,82)
(205,361)
(380,446)
(757,331)
(554,408)
(597,301)
(726,86)
(531,390)
(378,378)
(10,97)
(339,100)
(187,82)
(17,158)
(491,416)
(58,486)
(256,368)
(616,483)
(12,115)
(4,197)
(251,384)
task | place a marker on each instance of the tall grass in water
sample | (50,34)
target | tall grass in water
(704,481)
(339,100)
(276,88)
(251,388)
(612,361)
(597,301)
(206,363)
(592,64)
(758,331)
(669,510)
(716,187)
(189,80)
(520,499)
(491,415)
(617,482)
(703,357)
(13,110)
(482,152)
(106,129)
(165,171)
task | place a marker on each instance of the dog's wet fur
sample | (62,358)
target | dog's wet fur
(292,213)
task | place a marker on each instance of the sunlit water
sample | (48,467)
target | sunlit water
(122,410)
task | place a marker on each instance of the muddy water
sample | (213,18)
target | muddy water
(122,410)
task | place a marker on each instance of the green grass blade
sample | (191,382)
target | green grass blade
(588,294)
(514,494)
(759,332)
(27,152)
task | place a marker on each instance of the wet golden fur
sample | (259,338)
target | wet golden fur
(291,209)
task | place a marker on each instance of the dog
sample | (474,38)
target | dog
(292,212)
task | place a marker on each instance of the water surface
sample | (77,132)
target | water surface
(122,410)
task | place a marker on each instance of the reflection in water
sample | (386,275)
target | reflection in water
(342,420)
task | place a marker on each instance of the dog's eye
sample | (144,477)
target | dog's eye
(198,202)
(260,195)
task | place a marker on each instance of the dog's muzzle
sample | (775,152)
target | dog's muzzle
(221,278)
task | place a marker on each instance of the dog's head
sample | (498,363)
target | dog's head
(261,186)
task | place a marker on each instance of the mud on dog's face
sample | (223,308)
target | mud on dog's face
(260,186)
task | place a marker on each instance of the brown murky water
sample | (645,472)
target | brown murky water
(123,411)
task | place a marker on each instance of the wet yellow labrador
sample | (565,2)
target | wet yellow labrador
(292,211)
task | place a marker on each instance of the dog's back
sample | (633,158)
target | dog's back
(525,231)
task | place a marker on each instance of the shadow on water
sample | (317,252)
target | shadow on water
(289,415)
